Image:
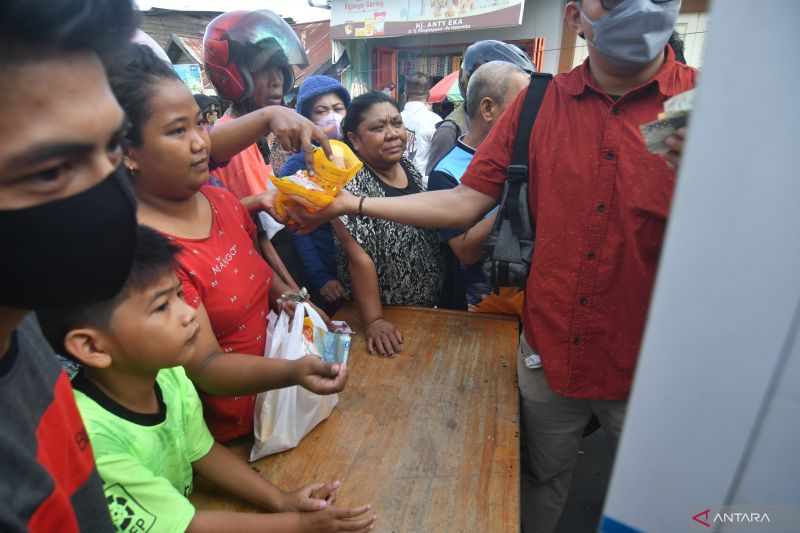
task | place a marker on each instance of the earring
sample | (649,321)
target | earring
(130,169)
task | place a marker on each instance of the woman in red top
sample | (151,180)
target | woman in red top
(221,269)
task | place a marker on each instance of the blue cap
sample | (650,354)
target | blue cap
(317,86)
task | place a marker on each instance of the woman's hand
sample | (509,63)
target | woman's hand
(312,497)
(286,306)
(332,291)
(260,202)
(296,133)
(384,338)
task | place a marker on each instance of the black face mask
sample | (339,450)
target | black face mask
(71,251)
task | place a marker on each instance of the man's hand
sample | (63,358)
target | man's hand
(319,377)
(296,133)
(675,144)
(313,497)
(384,338)
(310,216)
(333,291)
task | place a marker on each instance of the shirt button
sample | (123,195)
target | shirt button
(577,341)
(615,110)
(584,300)
(609,155)
(591,256)
(601,207)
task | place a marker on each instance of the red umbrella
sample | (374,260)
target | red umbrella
(447,89)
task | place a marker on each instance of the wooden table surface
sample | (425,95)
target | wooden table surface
(429,437)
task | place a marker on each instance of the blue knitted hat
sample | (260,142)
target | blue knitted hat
(317,86)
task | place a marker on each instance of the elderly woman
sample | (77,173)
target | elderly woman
(324,101)
(382,262)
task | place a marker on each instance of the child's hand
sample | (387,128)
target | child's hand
(325,491)
(332,291)
(313,497)
(333,519)
(320,377)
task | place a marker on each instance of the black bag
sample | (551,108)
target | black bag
(509,247)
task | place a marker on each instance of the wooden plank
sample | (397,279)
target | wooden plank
(429,437)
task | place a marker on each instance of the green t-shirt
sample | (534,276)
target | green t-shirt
(145,460)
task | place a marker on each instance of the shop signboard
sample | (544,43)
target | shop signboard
(359,19)
(190,74)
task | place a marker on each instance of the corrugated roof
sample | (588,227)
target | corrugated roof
(193,47)
(316,40)
(314,36)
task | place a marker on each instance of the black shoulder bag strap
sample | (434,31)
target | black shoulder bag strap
(509,248)
(518,172)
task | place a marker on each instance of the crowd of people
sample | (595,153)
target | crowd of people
(140,226)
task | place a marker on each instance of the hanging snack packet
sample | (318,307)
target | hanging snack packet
(324,185)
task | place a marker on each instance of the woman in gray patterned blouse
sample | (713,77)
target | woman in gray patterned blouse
(382,262)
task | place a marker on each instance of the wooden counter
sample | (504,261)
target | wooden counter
(429,437)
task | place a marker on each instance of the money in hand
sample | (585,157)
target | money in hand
(676,115)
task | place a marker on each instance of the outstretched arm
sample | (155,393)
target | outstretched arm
(225,470)
(381,335)
(272,258)
(229,374)
(309,508)
(468,246)
(460,207)
(293,131)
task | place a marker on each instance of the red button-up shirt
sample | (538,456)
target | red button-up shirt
(600,203)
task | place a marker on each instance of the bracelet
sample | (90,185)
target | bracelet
(360,207)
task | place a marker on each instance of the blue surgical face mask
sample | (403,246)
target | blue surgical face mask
(633,33)
(332,119)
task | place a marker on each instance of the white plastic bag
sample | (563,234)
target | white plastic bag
(284,416)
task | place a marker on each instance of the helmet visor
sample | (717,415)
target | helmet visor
(262,34)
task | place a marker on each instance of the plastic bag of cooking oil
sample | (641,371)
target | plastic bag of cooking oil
(320,189)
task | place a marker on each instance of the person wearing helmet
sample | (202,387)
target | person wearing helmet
(455,125)
(248,56)
(600,202)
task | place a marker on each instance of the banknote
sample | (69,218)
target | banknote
(676,115)
(656,132)
(330,346)
(680,103)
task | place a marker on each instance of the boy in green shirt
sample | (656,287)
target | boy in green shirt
(145,420)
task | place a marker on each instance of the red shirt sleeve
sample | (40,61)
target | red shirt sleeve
(249,225)
(487,171)
(190,293)
(246,220)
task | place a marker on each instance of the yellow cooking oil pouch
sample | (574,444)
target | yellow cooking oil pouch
(320,189)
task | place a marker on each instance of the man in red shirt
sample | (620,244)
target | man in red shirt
(600,202)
